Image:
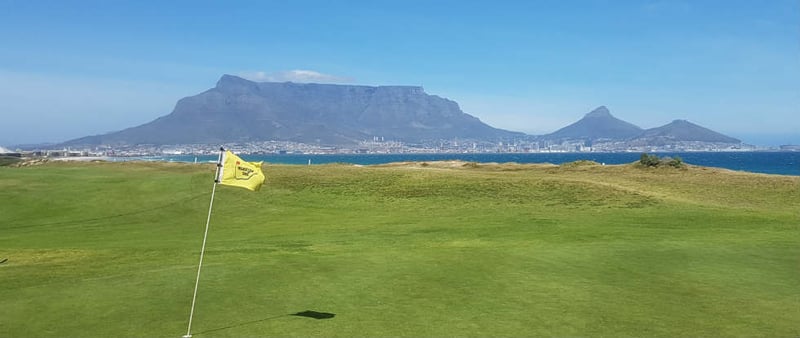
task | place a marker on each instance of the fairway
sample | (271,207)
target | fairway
(410,249)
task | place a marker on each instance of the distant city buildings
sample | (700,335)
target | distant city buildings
(789,147)
(381,146)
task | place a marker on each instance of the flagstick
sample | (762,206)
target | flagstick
(203,249)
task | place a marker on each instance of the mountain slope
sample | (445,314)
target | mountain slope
(682,130)
(238,110)
(597,124)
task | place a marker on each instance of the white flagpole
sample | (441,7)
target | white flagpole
(205,236)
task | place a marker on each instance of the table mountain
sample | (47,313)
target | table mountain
(238,110)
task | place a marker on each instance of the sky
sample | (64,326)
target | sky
(70,69)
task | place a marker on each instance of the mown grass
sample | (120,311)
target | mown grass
(99,249)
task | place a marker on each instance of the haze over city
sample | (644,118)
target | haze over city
(72,69)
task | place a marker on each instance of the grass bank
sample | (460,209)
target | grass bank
(448,248)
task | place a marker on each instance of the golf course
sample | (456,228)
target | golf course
(110,249)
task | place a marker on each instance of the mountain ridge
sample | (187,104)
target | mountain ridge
(683,130)
(595,125)
(239,110)
(599,126)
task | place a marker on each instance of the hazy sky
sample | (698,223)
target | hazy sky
(76,68)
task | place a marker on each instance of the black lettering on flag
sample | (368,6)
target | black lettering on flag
(243,173)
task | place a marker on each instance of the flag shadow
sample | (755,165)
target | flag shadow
(314,314)
(307,314)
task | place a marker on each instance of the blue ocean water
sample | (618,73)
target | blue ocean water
(781,163)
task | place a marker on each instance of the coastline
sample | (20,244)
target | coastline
(781,163)
(82,158)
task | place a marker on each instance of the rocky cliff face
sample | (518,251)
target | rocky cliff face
(238,110)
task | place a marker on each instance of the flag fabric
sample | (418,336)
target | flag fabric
(239,173)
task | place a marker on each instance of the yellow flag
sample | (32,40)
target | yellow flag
(239,173)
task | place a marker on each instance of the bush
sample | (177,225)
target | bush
(647,160)
(9,160)
(676,162)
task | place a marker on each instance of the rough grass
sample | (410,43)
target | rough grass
(441,248)
(9,160)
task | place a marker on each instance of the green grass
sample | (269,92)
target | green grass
(442,249)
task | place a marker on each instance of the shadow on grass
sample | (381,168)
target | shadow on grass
(315,314)
(307,314)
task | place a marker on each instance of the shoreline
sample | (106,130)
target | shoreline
(81,158)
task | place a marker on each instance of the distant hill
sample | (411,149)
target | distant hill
(238,110)
(600,126)
(597,124)
(682,130)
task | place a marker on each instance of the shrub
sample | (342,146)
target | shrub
(676,162)
(647,160)
(9,160)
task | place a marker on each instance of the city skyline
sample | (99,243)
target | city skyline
(82,68)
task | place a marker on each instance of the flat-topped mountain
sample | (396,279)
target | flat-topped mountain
(682,130)
(597,124)
(238,110)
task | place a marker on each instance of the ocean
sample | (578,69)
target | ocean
(780,163)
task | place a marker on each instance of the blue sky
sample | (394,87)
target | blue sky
(75,68)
